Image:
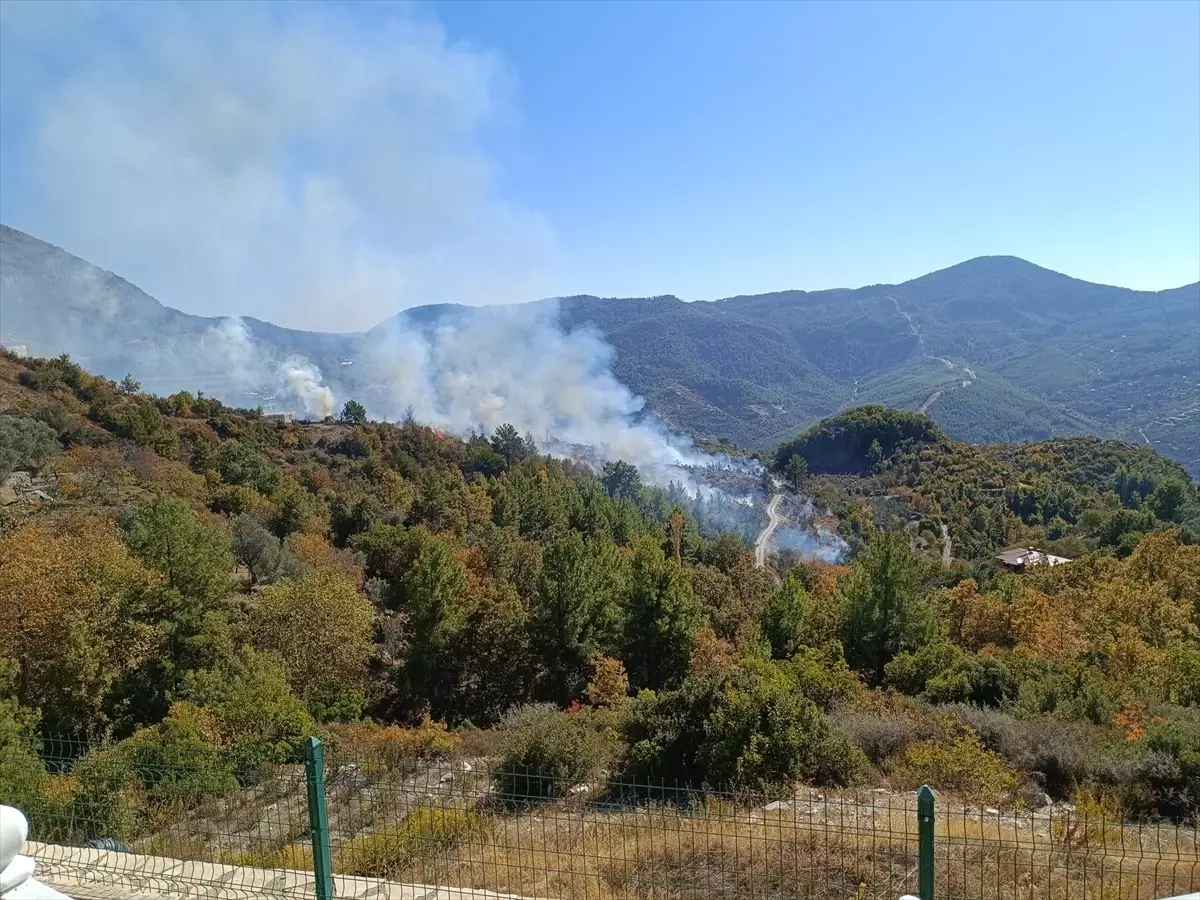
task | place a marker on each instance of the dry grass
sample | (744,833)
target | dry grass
(288,856)
(837,850)
(846,845)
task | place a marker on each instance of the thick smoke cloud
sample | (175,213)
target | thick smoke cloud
(485,367)
(314,166)
(252,369)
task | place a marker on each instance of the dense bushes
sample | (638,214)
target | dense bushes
(960,764)
(545,753)
(858,439)
(24,442)
(424,832)
(746,727)
(942,673)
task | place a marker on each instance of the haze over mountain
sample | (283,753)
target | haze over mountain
(992,349)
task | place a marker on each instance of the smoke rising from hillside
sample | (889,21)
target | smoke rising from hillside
(304,380)
(513,364)
(473,371)
(289,163)
(251,367)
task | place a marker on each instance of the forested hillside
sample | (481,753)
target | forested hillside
(876,467)
(206,587)
(992,349)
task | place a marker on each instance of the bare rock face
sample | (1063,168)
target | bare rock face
(25,487)
(1035,798)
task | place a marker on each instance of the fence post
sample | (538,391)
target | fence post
(318,818)
(925,842)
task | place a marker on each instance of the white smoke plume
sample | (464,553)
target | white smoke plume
(805,533)
(485,367)
(319,166)
(304,381)
(249,368)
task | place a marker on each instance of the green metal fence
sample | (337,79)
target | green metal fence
(336,824)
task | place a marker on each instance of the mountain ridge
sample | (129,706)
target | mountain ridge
(1051,355)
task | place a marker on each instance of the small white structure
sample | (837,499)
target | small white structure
(1021,558)
(16,871)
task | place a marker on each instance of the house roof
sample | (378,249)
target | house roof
(1029,556)
(1014,557)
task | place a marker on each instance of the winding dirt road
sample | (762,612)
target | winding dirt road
(929,401)
(950,364)
(764,537)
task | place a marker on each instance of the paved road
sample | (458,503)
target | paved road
(764,537)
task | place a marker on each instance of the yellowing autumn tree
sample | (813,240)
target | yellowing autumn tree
(1046,627)
(974,620)
(94,474)
(321,626)
(314,551)
(73,612)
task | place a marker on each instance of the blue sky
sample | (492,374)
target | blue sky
(266,159)
(715,148)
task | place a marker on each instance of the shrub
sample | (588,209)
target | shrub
(394,747)
(910,672)
(961,765)
(1057,755)
(107,800)
(878,735)
(23,779)
(1073,693)
(980,680)
(424,832)
(1166,778)
(1184,684)
(142,423)
(178,761)
(609,685)
(1091,823)
(288,856)
(335,702)
(260,551)
(746,727)
(23,776)
(321,627)
(24,442)
(260,720)
(545,752)
(823,677)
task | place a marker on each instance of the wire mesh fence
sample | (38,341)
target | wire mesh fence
(112,821)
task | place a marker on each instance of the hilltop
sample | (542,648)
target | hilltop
(992,349)
(880,468)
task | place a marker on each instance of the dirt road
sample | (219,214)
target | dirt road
(764,537)
(947,546)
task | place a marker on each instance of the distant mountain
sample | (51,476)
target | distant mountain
(992,349)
